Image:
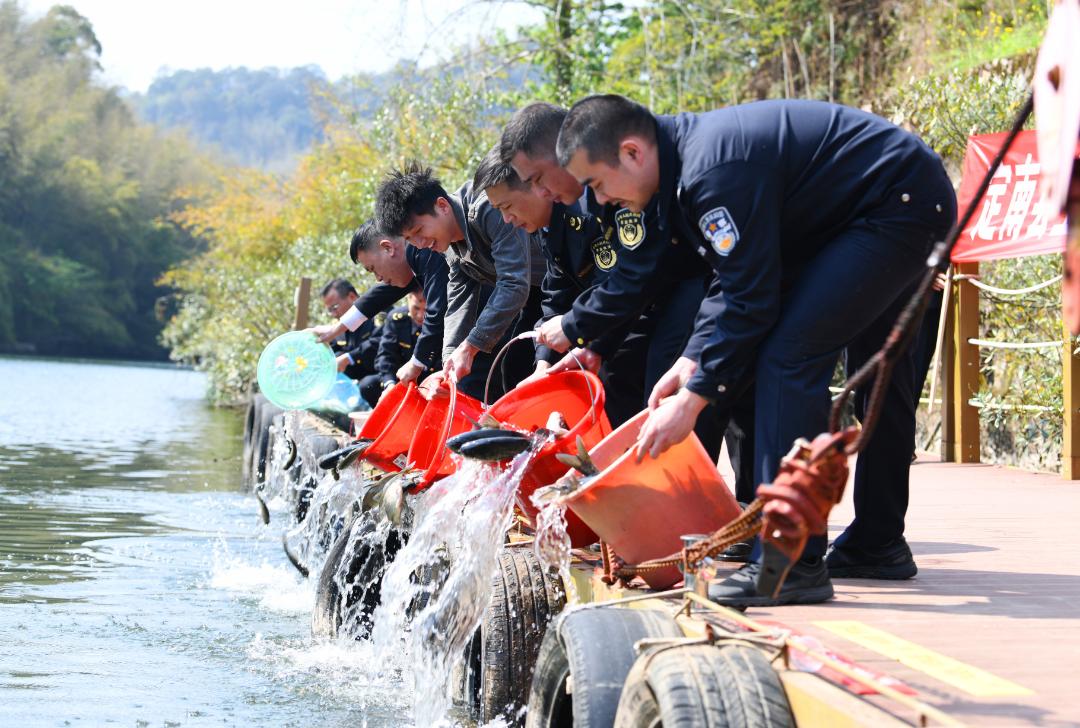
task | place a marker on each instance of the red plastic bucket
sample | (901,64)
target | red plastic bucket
(579,397)
(443,418)
(392,424)
(383,412)
(643,509)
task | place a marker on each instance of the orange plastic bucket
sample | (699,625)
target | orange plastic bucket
(642,509)
(579,397)
(393,432)
(443,418)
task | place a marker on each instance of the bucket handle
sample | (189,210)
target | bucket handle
(445,434)
(532,335)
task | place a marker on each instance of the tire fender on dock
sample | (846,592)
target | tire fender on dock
(584,660)
(704,686)
(500,659)
(361,565)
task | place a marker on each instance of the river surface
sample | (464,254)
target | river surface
(137,585)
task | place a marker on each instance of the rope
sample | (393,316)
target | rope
(742,528)
(1015,344)
(973,280)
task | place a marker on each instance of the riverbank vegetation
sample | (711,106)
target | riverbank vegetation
(944,69)
(85,198)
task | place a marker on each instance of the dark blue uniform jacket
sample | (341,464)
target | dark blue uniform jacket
(580,254)
(431,274)
(651,259)
(397,343)
(362,345)
(760,190)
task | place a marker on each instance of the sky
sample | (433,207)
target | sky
(142,38)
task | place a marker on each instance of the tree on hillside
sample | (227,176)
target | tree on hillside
(84,195)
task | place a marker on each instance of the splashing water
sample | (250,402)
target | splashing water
(552,543)
(333,506)
(435,592)
(278,482)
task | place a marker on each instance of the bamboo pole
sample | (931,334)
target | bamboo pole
(302,299)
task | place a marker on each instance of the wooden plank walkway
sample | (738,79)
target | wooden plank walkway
(989,630)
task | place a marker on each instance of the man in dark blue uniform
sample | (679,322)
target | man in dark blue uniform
(399,269)
(818,220)
(355,349)
(578,254)
(646,280)
(400,334)
(495,271)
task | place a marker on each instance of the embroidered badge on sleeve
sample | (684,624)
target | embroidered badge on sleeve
(719,230)
(604,252)
(631,229)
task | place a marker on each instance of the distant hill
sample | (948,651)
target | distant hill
(257,118)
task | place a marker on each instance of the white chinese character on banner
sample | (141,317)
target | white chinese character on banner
(991,207)
(1023,195)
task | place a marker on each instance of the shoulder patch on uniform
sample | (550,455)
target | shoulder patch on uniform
(603,252)
(719,230)
(631,228)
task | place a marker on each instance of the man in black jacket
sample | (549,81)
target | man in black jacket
(817,220)
(399,269)
(355,349)
(638,312)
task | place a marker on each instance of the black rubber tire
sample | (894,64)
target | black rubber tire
(363,565)
(249,437)
(590,651)
(500,660)
(704,686)
(260,454)
(308,480)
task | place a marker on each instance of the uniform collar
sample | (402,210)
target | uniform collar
(670,166)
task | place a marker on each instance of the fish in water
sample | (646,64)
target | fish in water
(353,450)
(490,444)
(393,500)
(374,493)
(290,457)
(264,512)
(293,559)
(558,490)
(456,442)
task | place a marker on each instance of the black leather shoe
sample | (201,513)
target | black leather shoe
(891,561)
(738,552)
(806,583)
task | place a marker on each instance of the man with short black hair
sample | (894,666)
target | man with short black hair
(494,269)
(399,269)
(817,220)
(355,349)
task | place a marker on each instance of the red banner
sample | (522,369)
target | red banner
(1011,221)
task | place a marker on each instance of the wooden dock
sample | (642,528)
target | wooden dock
(989,630)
